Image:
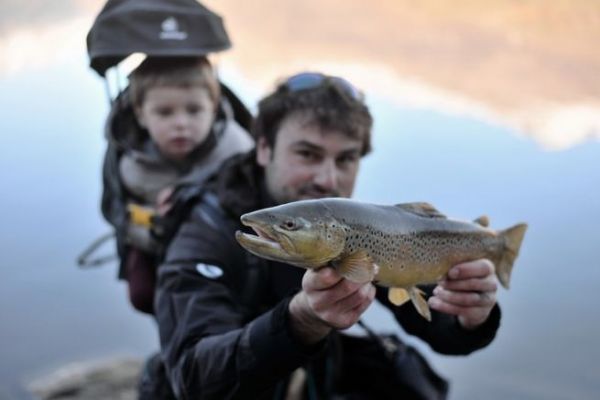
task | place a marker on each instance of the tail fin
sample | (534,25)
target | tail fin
(513,237)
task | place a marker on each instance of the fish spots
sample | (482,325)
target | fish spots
(378,245)
(404,250)
(433,246)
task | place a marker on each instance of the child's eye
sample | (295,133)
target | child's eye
(164,112)
(194,109)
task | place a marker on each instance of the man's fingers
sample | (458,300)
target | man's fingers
(468,292)
(344,313)
(466,299)
(336,301)
(320,279)
(365,294)
(471,285)
(454,309)
(439,305)
(472,269)
(342,297)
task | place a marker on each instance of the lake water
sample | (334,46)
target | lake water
(52,313)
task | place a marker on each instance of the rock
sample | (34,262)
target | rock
(108,379)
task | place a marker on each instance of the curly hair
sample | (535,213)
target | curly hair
(328,106)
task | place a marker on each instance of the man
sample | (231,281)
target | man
(235,326)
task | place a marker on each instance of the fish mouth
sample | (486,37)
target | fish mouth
(260,240)
(272,244)
(264,238)
(268,243)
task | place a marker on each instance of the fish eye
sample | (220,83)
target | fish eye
(289,225)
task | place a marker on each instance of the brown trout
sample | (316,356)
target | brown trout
(398,247)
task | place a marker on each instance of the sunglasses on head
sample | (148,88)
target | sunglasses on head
(311,80)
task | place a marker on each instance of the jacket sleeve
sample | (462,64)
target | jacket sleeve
(444,333)
(210,351)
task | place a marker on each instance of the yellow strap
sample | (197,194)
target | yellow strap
(140,215)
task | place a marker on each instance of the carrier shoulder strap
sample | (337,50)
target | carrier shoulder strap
(184,199)
(164,228)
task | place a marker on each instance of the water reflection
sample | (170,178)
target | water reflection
(529,66)
(532,66)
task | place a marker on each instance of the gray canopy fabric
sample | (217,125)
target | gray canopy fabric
(154,27)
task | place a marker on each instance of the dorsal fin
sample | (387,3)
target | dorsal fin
(483,221)
(422,208)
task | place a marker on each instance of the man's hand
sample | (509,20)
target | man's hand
(468,291)
(327,301)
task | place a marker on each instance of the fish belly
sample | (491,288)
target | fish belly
(407,275)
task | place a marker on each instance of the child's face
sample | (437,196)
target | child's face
(177,118)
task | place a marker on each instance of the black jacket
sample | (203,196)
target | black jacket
(223,313)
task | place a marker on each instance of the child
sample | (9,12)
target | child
(171,128)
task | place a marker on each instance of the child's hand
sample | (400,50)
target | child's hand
(163,203)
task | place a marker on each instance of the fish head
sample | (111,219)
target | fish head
(300,233)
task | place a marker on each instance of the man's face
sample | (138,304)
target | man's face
(307,162)
(178,119)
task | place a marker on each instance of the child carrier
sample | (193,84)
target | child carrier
(157,28)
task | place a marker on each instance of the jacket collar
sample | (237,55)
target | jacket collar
(240,185)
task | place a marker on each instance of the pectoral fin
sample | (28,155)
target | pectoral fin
(357,267)
(418,300)
(398,296)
